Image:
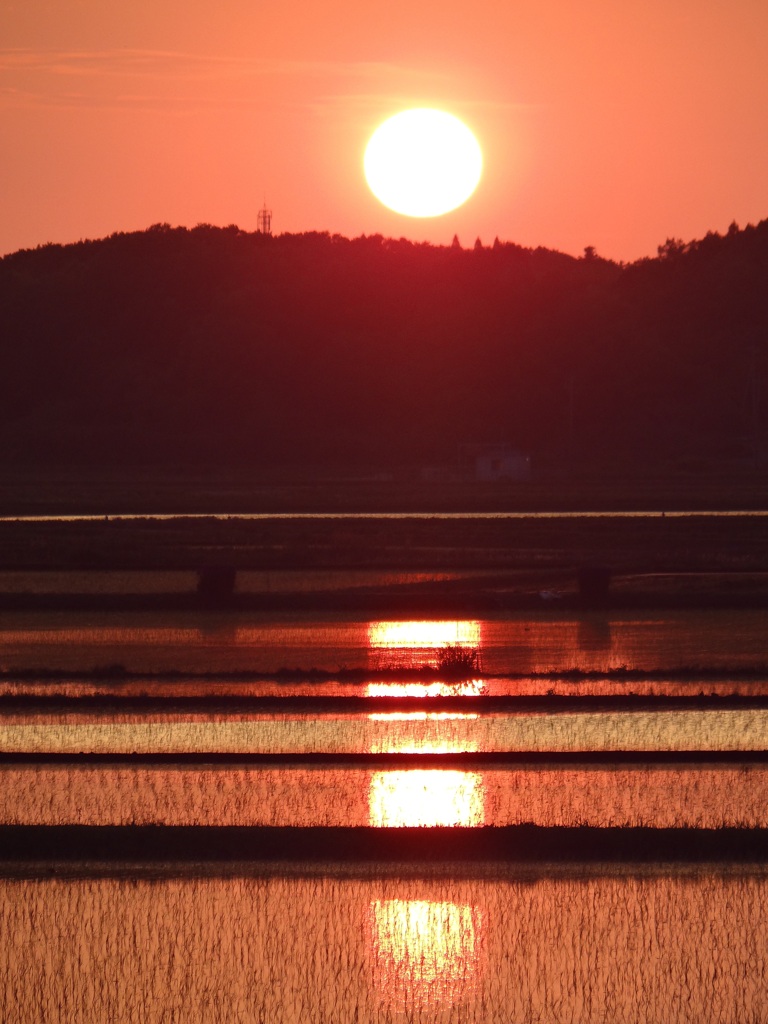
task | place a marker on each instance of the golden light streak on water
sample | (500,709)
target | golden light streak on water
(432,741)
(420,643)
(426,798)
(424,634)
(421,716)
(469,688)
(424,953)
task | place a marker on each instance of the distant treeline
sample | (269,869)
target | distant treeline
(217,346)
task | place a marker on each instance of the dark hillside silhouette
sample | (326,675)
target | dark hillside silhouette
(216,346)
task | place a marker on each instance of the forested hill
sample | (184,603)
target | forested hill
(215,346)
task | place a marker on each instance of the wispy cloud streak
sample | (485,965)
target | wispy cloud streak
(169,64)
(171,79)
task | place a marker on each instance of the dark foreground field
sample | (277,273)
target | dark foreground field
(657,560)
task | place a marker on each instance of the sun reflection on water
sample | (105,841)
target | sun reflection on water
(424,952)
(468,688)
(421,643)
(427,633)
(426,797)
(423,732)
(430,732)
(420,716)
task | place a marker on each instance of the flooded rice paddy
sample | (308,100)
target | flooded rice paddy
(663,946)
(510,644)
(390,732)
(300,795)
(323,940)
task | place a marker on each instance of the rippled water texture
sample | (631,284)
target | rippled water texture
(660,949)
(292,943)
(512,644)
(407,732)
(662,796)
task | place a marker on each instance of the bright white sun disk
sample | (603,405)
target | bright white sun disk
(423,163)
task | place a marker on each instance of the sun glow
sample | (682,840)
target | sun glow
(426,798)
(424,732)
(425,952)
(470,688)
(424,634)
(421,644)
(423,163)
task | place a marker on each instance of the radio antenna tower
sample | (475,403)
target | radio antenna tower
(264,220)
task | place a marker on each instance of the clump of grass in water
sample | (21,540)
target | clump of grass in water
(456,660)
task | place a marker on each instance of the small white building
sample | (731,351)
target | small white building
(489,462)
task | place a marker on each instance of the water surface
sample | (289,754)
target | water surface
(382,945)
(509,644)
(700,795)
(397,732)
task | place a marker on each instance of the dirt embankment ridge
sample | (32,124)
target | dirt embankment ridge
(571,537)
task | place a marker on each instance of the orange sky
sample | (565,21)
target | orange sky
(610,123)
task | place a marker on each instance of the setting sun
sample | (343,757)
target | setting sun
(423,163)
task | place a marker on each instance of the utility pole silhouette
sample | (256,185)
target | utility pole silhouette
(264,220)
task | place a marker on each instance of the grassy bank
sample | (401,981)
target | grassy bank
(405,593)
(557,484)
(61,846)
(659,545)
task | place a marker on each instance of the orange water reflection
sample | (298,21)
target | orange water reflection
(420,644)
(420,732)
(426,797)
(424,952)
(468,688)
(431,633)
